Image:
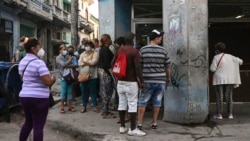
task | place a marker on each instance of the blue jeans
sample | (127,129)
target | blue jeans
(66,89)
(154,91)
(89,88)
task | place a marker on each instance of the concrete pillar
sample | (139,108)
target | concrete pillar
(107,17)
(186,25)
(114,17)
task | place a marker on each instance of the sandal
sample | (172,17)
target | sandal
(62,111)
(96,110)
(109,115)
(72,109)
(83,110)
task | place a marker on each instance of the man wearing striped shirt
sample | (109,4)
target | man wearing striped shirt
(156,74)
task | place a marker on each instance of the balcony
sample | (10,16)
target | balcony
(61,14)
(89,28)
(40,9)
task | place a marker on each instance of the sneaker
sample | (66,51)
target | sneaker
(230,116)
(123,130)
(139,127)
(136,132)
(217,116)
(154,126)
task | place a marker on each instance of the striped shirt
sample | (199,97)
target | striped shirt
(155,60)
(32,83)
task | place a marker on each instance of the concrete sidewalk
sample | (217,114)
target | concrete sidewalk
(90,126)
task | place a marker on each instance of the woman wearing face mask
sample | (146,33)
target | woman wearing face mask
(34,95)
(88,62)
(63,61)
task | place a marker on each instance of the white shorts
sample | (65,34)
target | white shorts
(128,96)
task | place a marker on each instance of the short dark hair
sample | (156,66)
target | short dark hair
(119,41)
(96,40)
(90,43)
(220,46)
(32,42)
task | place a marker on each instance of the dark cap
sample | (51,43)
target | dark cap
(129,36)
(155,33)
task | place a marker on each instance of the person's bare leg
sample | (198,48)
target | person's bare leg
(155,115)
(141,111)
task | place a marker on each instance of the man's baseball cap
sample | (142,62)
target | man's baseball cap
(155,33)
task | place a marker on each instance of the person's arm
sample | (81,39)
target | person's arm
(213,65)
(62,63)
(94,60)
(168,74)
(48,80)
(43,71)
(80,60)
(138,69)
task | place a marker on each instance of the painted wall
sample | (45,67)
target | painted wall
(186,39)
(107,17)
(122,17)
(11,15)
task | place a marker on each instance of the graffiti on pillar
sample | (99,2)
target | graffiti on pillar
(200,61)
(194,107)
(173,36)
(175,78)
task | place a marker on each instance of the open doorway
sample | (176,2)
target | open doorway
(229,22)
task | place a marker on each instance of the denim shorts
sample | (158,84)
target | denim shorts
(154,91)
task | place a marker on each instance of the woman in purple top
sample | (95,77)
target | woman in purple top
(34,96)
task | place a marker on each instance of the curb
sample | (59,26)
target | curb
(68,129)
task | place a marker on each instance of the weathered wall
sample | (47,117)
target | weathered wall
(107,17)
(186,39)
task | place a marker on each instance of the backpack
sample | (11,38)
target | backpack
(120,65)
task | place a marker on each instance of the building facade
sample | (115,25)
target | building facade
(47,20)
(191,30)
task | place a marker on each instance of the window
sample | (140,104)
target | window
(64,36)
(58,35)
(67,7)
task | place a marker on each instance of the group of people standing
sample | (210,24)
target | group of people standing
(147,74)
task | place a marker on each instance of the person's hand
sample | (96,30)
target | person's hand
(53,78)
(168,80)
(71,58)
(142,86)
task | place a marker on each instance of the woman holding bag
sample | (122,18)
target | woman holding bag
(226,77)
(34,95)
(88,64)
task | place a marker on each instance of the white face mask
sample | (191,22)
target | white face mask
(41,53)
(65,52)
(87,48)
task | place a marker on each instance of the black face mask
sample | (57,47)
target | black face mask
(71,53)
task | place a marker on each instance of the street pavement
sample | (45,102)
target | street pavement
(90,126)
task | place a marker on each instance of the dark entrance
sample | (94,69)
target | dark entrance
(230,22)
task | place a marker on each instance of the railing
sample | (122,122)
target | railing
(61,14)
(40,8)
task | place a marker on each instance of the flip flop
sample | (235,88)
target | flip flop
(62,111)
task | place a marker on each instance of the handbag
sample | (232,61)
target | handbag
(212,76)
(51,100)
(83,77)
(67,76)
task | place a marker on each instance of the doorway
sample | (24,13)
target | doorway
(229,22)
(146,16)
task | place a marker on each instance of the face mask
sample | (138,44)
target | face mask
(87,48)
(41,53)
(65,52)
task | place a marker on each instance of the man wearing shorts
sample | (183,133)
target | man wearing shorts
(129,86)
(156,73)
